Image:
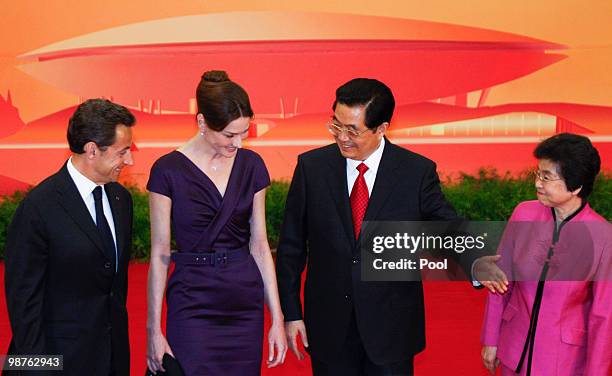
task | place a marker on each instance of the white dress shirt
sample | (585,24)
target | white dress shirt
(86,187)
(373,161)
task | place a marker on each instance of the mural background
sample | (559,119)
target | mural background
(478,84)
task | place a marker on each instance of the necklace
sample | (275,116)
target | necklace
(214,168)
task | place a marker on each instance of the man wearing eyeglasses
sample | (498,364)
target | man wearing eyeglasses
(352,327)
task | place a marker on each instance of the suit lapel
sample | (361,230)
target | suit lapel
(116,205)
(336,180)
(70,199)
(386,180)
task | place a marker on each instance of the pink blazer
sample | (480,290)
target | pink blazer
(574,331)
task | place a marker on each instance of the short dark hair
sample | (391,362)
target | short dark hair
(373,94)
(96,120)
(221,100)
(577,158)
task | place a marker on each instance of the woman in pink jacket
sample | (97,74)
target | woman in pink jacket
(556,318)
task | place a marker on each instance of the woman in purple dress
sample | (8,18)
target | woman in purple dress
(211,193)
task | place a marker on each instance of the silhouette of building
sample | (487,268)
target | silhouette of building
(10,121)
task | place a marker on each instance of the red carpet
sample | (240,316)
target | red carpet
(454,314)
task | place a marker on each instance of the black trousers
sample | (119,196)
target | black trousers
(354,361)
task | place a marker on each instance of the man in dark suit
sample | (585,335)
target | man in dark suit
(68,249)
(352,327)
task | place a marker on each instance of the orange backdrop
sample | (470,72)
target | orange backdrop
(477,83)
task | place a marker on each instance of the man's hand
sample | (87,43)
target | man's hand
(292,329)
(490,275)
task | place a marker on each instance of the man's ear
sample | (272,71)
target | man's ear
(91,149)
(383,128)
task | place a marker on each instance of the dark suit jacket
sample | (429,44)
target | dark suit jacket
(63,295)
(318,230)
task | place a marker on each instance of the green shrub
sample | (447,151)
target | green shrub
(601,198)
(486,196)
(275,209)
(141,238)
(8,206)
(491,197)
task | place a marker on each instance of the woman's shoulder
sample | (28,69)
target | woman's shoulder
(592,215)
(253,165)
(249,154)
(530,205)
(168,160)
(529,210)
(251,158)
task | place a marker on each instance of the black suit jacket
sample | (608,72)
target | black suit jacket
(318,231)
(63,295)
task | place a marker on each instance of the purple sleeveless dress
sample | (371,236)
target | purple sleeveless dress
(215,294)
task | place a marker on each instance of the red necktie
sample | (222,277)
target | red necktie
(359,199)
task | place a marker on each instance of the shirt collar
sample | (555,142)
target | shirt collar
(83,184)
(372,161)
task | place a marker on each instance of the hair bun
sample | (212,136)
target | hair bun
(215,76)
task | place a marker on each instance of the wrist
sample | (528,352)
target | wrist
(153,329)
(278,320)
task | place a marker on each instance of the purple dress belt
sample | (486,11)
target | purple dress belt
(218,257)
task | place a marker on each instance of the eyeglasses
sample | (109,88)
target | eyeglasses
(337,130)
(545,178)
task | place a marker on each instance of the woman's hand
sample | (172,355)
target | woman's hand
(157,346)
(489,358)
(277,345)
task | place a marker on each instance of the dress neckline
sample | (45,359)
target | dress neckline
(210,181)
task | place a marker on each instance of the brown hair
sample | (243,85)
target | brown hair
(221,100)
(96,120)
